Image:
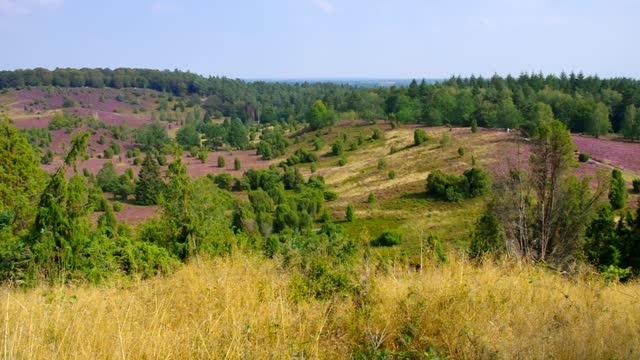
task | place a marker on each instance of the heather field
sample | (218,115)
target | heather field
(620,154)
(195,168)
(34,107)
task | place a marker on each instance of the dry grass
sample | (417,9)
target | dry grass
(239,307)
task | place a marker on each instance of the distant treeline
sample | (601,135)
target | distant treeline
(584,103)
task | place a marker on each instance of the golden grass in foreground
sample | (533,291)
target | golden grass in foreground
(238,307)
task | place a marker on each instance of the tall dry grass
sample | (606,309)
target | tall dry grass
(238,307)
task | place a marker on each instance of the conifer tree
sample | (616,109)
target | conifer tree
(149,185)
(618,191)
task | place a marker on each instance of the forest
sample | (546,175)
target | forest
(583,103)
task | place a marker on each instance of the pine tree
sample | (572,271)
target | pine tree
(474,126)
(631,123)
(618,191)
(107,177)
(20,177)
(350,213)
(149,185)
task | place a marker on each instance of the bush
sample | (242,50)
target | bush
(337,148)
(473,183)
(474,126)
(461,152)
(203,155)
(388,238)
(392,174)
(67,103)
(618,191)
(382,163)
(584,157)
(236,164)
(342,161)
(445,139)
(47,157)
(301,156)
(221,161)
(377,134)
(317,143)
(350,214)
(419,137)
(313,168)
(636,185)
(224,181)
(117,206)
(330,195)
(371,199)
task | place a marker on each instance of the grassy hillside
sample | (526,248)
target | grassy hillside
(241,307)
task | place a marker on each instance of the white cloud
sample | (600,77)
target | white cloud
(325,5)
(24,7)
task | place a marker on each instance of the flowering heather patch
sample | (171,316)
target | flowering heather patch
(111,118)
(195,168)
(40,121)
(106,99)
(622,155)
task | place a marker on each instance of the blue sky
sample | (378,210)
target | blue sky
(326,38)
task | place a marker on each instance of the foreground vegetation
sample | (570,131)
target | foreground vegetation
(243,306)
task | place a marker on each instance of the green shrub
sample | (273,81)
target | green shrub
(317,143)
(382,163)
(203,155)
(419,137)
(460,151)
(47,157)
(392,174)
(350,214)
(445,139)
(117,206)
(474,126)
(636,185)
(618,190)
(584,157)
(377,134)
(371,199)
(388,238)
(236,164)
(342,161)
(330,195)
(224,181)
(337,148)
(473,183)
(221,161)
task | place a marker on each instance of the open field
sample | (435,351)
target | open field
(240,307)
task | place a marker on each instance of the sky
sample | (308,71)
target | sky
(293,39)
